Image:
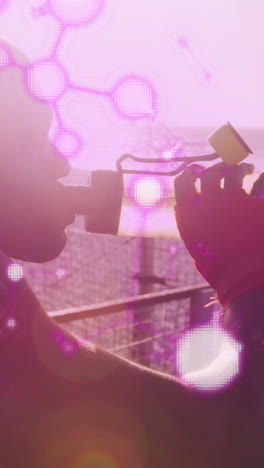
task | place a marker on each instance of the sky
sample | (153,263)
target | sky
(111,67)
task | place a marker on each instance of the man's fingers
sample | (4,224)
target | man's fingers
(233,176)
(184,184)
(258,187)
(211,177)
(236,175)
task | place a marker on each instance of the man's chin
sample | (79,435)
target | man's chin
(41,252)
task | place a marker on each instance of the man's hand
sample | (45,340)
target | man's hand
(223,229)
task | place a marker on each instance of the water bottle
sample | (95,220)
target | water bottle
(101,202)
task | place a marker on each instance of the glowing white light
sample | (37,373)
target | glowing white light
(168,154)
(15,272)
(60,273)
(11,323)
(147,191)
(208,358)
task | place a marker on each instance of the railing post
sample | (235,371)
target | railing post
(142,315)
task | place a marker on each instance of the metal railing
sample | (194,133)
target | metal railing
(144,328)
(111,307)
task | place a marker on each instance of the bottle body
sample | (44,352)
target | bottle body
(100,203)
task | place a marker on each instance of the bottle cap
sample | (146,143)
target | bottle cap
(229,145)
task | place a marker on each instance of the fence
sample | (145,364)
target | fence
(141,328)
(141,291)
(129,294)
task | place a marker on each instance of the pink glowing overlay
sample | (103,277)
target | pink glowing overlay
(4,58)
(75,12)
(46,81)
(110,73)
(3,5)
(134,97)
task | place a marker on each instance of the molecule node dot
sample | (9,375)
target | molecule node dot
(77,12)
(15,272)
(46,81)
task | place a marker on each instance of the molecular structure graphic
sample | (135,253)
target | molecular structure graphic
(183,43)
(133,97)
(47,80)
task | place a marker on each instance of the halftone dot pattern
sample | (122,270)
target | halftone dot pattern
(68,144)
(134,98)
(147,191)
(46,80)
(76,12)
(173,151)
(196,364)
(11,323)
(66,343)
(168,154)
(4,58)
(15,272)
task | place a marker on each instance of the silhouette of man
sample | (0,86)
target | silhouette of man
(65,403)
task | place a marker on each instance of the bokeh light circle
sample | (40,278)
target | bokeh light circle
(195,362)
(60,273)
(11,323)
(147,191)
(15,272)
(77,12)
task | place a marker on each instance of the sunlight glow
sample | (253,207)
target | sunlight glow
(147,191)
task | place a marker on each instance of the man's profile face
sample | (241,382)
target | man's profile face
(33,215)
